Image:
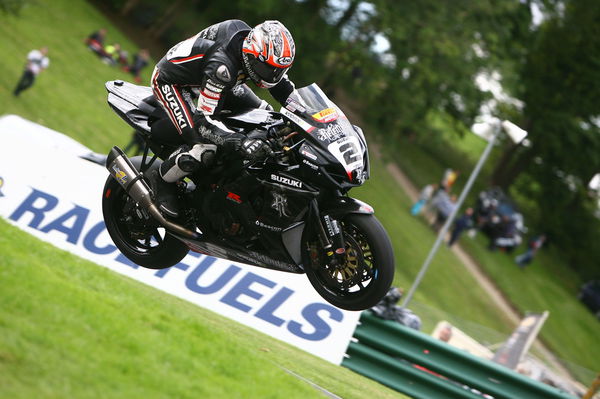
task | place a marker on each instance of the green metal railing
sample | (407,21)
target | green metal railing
(423,367)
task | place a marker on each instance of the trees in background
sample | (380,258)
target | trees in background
(12,6)
(560,86)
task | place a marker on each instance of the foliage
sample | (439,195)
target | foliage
(439,48)
(561,90)
(12,6)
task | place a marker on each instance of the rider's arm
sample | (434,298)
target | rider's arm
(244,98)
(216,82)
(282,90)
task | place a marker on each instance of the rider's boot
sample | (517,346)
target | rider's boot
(165,194)
(180,163)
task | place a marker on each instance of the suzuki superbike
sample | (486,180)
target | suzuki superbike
(289,211)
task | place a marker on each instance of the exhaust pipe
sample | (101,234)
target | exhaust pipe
(123,171)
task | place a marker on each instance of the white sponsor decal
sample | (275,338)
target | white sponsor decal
(297,120)
(177,111)
(332,132)
(182,49)
(268,226)
(286,180)
(310,164)
(307,153)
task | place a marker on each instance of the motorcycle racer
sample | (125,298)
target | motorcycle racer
(203,77)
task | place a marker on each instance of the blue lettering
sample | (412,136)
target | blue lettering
(79,213)
(38,212)
(243,288)
(321,328)
(192,280)
(89,241)
(266,312)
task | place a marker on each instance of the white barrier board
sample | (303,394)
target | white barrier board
(48,191)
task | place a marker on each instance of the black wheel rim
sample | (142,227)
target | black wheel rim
(135,228)
(350,277)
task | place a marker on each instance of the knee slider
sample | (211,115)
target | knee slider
(187,163)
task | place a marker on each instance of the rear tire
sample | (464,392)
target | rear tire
(137,235)
(368,271)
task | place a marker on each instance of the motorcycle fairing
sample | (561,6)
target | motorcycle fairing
(235,253)
(131,102)
(331,138)
(340,206)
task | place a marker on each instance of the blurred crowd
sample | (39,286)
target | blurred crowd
(114,54)
(494,214)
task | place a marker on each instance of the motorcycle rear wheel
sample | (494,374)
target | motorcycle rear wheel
(366,273)
(138,236)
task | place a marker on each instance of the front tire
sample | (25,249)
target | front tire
(367,271)
(137,235)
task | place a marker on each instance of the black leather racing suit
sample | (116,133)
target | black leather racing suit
(208,67)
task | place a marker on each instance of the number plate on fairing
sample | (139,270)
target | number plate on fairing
(347,152)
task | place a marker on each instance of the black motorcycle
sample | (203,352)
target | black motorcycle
(288,212)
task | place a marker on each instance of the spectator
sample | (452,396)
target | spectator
(461,224)
(535,243)
(95,42)
(445,333)
(444,204)
(114,54)
(122,57)
(140,61)
(424,197)
(37,61)
(448,179)
(507,236)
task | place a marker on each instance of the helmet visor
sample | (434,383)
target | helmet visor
(266,72)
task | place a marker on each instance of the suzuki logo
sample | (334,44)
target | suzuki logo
(178,113)
(287,181)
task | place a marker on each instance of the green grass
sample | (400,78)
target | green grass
(50,290)
(69,96)
(72,329)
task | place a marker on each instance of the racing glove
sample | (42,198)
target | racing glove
(255,149)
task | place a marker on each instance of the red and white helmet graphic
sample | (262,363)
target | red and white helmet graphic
(268,52)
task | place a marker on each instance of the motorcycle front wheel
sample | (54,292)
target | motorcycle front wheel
(135,233)
(364,274)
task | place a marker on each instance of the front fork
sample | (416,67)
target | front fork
(330,233)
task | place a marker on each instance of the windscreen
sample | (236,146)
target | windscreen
(333,129)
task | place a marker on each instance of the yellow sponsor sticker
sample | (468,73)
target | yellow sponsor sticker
(326,115)
(120,175)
